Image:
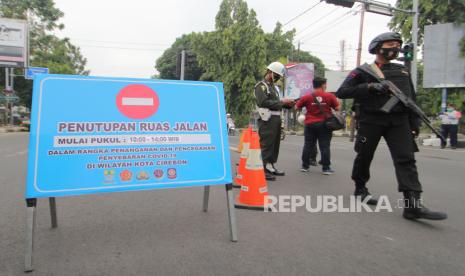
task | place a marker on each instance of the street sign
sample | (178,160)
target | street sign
(32,71)
(137,101)
(12,98)
(118,134)
(13,43)
(444,66)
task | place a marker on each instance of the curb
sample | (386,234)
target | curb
(12,129)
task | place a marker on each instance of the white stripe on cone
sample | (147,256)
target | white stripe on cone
(137,101)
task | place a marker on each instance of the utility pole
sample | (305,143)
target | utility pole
(183,63)
(343,65)
(9,74)
(359,61)
(343,54)
(360,35)
(415,44)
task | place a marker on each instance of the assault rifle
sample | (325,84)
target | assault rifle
(398,96)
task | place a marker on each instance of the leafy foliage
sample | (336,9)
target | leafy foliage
(166,64)
(46,50)
(430,12)
(235,53)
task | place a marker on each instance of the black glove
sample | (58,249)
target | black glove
(379,88)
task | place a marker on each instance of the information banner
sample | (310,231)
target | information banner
(299,80)
(13,43)
(93,135)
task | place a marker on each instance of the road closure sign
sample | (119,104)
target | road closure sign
(92,135)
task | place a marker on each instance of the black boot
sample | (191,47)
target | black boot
(363,193)
(270,169)
(269,176)
(415,210)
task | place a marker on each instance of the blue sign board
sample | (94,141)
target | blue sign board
(32,71)
(93,135)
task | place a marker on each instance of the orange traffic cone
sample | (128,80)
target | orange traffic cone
(240,146)
(254,189)
(245,151)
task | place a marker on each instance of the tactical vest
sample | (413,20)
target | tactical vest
(398,75)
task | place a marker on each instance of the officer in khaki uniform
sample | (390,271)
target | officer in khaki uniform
(269,124)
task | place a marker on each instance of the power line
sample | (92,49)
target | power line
(317,28)
(335,24)
(325,27)
(328,26)
(324,45)
(120,48)
(119,42)
(302,13)
(318,20)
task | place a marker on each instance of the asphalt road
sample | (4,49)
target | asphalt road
(164,232)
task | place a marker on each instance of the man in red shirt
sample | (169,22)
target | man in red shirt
(315,129)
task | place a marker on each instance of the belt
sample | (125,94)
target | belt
(275,112)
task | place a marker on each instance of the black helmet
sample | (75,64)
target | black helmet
(377,41)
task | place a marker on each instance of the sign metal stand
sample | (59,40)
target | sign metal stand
(230,204)
(31,204)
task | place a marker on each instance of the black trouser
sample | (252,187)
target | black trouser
(270,138)
(451,130)
(313,133)
(401,145)
(313,153)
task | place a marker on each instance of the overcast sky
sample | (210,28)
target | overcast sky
(124,38)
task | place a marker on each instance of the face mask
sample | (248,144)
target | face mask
(449,109)
(276,77)
(389,53)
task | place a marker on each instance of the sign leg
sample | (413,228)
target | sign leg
(206,195)
(53,212)
(231,212)
(30,225)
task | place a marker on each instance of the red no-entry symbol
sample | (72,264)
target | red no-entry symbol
(137,101)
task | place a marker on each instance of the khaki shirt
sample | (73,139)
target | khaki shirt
(266,96)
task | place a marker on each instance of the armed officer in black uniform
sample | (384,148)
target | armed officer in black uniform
(269,124)
(398,127)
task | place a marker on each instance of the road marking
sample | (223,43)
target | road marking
(19,153)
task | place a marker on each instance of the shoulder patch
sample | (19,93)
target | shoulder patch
(262,86)
(352,74)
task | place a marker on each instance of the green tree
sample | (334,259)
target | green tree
(430,12)
(166,63)
(234,54)
(429,100)
(278,44)
(46,50)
